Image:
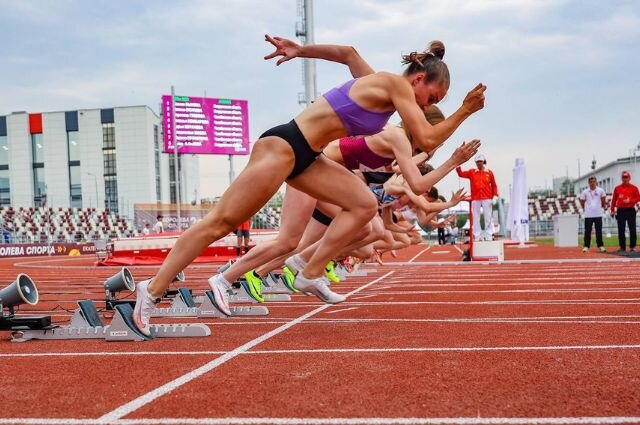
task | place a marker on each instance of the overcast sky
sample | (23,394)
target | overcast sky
(563,76)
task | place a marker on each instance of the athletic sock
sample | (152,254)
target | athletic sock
(223,280)
(299,262)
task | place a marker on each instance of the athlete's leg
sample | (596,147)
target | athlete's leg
(271,162)
(312,233)
(296,212)
(348,192)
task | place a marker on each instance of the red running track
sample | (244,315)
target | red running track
(554,342)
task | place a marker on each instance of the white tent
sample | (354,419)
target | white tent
(518,216)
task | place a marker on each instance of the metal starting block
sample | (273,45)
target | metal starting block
(184,305)
(241,295)
(273,285)
(86,324)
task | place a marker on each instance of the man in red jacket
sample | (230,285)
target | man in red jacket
(623,204)
(484,194)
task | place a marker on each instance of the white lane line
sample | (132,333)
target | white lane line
(332,350)
(448,349)
(419,254)
(456,247)
(365,296)
(341,310)
(475,420)
(607,301)
(418,283)
(590,261)
(143,400)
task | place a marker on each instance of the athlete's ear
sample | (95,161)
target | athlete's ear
(417,78)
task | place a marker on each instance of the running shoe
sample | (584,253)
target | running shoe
(253,286)
(144,306)
(602,249)
(287,277)
(220,290)
(585,249)
(319,288)
(330,272)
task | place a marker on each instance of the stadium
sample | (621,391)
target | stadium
(319,213)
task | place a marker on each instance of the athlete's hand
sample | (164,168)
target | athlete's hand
(285,48)
(456,197)
(474,101)
(465,152)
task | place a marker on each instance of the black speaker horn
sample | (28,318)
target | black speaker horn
(20,291)
(120,281)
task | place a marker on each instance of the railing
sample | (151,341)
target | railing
(538,228)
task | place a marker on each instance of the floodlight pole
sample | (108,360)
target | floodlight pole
(232,174)
(305,32)
(176,173)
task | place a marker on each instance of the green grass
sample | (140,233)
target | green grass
(608,242)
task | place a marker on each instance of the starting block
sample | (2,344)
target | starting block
(184,305)
(241,295)
(273,285)
(86,324)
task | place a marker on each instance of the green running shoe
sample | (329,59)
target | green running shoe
(287,277)
(254,284)
(330,272)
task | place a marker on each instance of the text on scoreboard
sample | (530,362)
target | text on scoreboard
(206,125)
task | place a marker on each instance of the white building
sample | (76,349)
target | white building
(608,176)
(102,158)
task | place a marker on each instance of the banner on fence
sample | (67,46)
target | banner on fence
(38,250)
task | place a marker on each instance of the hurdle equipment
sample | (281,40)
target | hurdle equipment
(86,324)
(184,305)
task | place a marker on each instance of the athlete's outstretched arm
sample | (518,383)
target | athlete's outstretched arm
(346,55)
(426,136)
(419,183)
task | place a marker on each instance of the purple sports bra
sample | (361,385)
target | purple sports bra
(356,152)
(356,119)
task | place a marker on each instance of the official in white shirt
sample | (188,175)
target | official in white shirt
(593,200)
(158,227)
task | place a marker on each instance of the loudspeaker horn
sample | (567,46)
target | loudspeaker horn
(120,281)
(21,291)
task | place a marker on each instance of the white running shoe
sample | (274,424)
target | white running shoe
(144,306)
(220,290)
(319,288)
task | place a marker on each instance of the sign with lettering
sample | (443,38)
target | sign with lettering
(206,125)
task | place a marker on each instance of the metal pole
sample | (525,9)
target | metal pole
(176,171)
(310,89)
(232,175)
